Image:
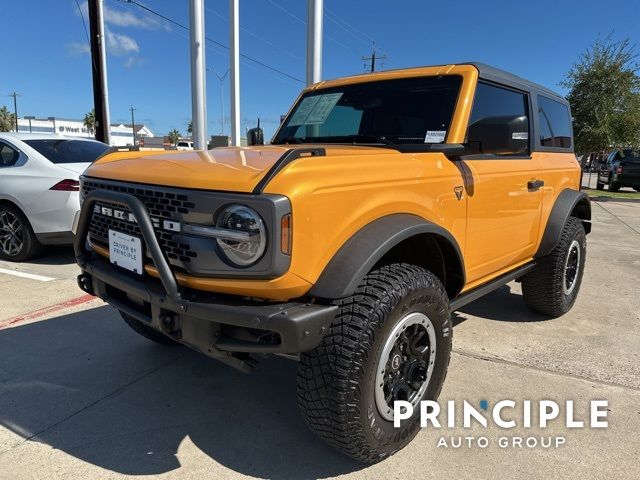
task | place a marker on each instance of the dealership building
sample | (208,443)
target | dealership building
(121,134)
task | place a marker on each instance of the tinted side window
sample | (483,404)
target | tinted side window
(68,151)
(8,155)
(492,101)
(555,123)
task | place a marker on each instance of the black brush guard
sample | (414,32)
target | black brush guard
(221,326)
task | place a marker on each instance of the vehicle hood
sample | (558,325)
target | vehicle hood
(234,169)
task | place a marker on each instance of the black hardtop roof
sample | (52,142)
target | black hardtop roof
(496,75)
(493,74)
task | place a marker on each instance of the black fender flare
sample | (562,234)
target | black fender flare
(569,203)
(365,248)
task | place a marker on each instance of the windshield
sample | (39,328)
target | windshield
(405,111)
(68,151)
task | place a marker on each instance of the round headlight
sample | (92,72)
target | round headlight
(240,218)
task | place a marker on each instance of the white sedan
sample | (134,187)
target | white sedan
(39,190)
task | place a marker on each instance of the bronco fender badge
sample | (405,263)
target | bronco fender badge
(458,190)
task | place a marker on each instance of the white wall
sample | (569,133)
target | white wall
(121,136)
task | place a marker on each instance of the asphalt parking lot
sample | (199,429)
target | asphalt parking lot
(82,396)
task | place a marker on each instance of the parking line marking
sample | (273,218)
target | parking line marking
(32,276)
(47,310)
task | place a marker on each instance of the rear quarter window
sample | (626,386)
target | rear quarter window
(554,123)
(8,155)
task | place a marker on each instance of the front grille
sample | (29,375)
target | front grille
(160,205)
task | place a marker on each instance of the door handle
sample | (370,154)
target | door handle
(535,185)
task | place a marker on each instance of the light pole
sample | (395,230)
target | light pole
(133,124)
(315,10)
(198,80)
(222,78)
(234,64)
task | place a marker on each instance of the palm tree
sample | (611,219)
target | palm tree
(90,121)
(174,135)
(7,120)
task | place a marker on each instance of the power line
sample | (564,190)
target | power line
(221,45)
(84,24)
(304,22)
(262,39)
(281,8)
(347,27)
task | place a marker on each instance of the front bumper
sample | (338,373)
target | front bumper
(217,325)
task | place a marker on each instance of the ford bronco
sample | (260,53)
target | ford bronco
(384,202)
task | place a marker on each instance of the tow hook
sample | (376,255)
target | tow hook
(86,284)
(169,324)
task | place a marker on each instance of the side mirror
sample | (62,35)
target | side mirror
(504,135)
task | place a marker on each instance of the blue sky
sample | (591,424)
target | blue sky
(43,49)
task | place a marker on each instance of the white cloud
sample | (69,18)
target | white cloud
(127,18)
(78,48)
(120,44)
(134,61)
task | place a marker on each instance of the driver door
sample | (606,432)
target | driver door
(502,206)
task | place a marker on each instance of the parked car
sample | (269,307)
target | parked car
(184,145)
(620,169)
(39,190)
(385,202)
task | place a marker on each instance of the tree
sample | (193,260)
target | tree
(7,120)
(174,135)
(190,128)
(604,93)
(90,121)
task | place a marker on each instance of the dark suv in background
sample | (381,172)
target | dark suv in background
(620,169)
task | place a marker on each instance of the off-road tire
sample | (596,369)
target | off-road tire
(31,247)
(542,289)
(614,186)
(336,380)
(146,331)
(599,186)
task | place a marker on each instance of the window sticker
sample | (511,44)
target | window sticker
(303,110)
(322,108)
(435,136)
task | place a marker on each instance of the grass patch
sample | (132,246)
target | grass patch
(607,194)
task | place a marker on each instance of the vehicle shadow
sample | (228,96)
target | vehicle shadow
(54,255)
(502,305)
(85,384)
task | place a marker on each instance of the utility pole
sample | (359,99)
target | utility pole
(198,78)
(15,107)
(373,58)
(133,124)
(314,41)
(99,70)
(234,63)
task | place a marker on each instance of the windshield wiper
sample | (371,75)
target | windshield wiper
(372,139)
(290,139)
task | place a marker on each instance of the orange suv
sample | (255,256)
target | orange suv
(384,202)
